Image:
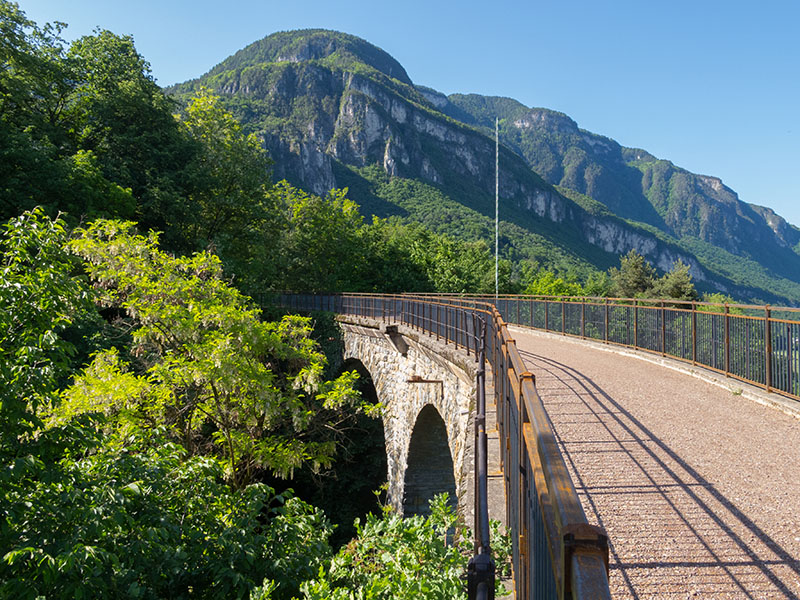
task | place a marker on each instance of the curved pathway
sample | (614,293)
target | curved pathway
(698,488)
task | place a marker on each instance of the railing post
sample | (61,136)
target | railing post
(546,315)
(635,323)
(563,317)
(583,319)
(481,568)
(663,330)
(694,333)
(767,348)
(727,341)
(606,328)
(530,303)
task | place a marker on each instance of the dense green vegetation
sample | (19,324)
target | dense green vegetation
(151,419)
(314,45)
(138,477)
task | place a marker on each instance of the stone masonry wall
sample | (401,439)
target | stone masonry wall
(391,369)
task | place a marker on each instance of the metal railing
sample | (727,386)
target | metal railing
(754,344)
(556,553)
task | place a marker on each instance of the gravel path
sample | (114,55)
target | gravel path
(697,488)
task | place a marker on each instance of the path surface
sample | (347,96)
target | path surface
(697,487)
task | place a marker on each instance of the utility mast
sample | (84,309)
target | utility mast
(496,205)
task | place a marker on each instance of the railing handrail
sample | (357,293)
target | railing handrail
(754,344)
(556,552)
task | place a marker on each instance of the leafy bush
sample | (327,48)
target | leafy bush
(393,557)
(137,517)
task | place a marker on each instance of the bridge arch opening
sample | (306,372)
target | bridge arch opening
(346,490)
(429,469)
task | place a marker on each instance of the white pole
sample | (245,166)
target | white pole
(496,205)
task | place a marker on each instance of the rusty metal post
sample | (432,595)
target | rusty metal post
(546,315)
(530,303)
(663,330)
(789,360)
(457,324)
(481,568)
(583,319)
(694,333)
(727,341)
(767,348)
(466,331)
(747,354)
(606,331)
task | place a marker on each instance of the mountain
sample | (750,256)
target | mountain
(336,111)
(699,211)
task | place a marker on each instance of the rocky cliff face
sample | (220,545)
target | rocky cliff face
(631,182)
(322,101)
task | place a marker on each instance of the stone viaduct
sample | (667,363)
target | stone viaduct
(428,392)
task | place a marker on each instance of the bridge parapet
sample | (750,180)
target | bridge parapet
(412,371)
(556,553)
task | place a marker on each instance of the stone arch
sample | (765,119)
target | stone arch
(430,469)
(408,376)
(360,468)
(366,384)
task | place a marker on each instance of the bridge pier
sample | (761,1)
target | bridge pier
(428,392)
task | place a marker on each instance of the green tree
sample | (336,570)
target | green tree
(392,557)
(119,113)
(84,124)
(94,504)
(33,86)
(395,557)
(321,246)
(547,283)
(134,516)
(231,174)
(635,276)
(597,285)
(39,299)
(677,283)
(204,364)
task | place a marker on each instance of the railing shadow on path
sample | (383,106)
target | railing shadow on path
(683,537)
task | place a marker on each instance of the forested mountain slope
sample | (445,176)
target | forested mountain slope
(703,214)
(335,111)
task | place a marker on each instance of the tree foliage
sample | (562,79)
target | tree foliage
(85,130)
(637,278)
(547,283)
(634,277)
(136,517)
(392,557)
(230,174)
(39,299)
(203,364)
(676,283)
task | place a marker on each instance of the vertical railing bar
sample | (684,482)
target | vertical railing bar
(694,333)
(727,341)
(767,348)
(583,319)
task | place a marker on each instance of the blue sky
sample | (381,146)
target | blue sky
(712,85)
